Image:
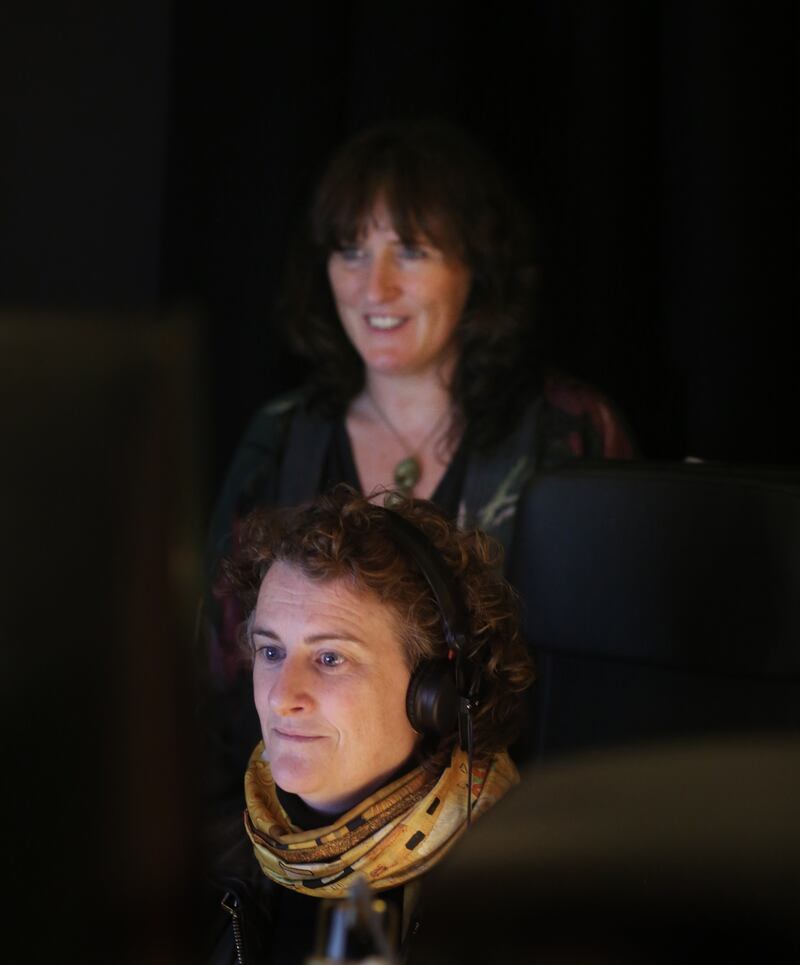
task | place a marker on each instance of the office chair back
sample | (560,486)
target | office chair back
(662,600)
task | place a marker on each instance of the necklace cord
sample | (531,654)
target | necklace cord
(407,471)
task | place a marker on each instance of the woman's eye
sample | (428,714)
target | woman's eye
(351,253)
(270,654)
(331,659)
(413,252)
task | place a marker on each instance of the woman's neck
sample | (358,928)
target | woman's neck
(403,427)
(413,401)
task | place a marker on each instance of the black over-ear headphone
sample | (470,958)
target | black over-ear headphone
(442,693)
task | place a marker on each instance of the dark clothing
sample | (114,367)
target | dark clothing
(340,467)
(259,922)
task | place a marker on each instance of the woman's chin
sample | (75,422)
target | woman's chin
(402,369)
(293,775)
(402,364)
(385,364)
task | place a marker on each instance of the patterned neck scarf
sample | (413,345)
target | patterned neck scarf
(391,837)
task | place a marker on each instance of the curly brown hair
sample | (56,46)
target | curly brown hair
(436,182)
(341,535)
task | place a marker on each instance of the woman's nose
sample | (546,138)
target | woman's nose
(291,691)
(382,284)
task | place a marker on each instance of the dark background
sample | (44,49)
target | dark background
(655,145)
(154,158)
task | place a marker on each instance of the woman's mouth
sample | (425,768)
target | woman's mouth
(292,736)
(385,323)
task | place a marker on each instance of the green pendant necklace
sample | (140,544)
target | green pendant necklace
(408,470)
(407,473)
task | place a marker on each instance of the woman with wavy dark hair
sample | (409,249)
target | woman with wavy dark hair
(388,673)
(410,296)
(456,237)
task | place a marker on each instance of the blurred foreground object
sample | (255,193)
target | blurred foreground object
(637,856)
(100,511)
(359,928)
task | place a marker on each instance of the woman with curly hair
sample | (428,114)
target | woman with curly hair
(410,296)
(388,671)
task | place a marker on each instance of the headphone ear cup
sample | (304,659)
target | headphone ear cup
(432,700)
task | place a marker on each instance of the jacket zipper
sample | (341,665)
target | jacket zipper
(230,903)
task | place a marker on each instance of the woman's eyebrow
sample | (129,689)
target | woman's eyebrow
(259,632)
(326,635)
(334,635)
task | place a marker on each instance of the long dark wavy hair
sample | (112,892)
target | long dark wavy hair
(341,535)
(437,182)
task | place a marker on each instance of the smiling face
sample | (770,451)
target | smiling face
(330,681)
(400,304)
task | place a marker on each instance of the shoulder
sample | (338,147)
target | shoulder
(240,925)
(270,422)
(591,425)
(261,449)
(236,895)
(252,475)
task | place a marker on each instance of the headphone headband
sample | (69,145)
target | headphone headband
(441,694)
(439,577)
